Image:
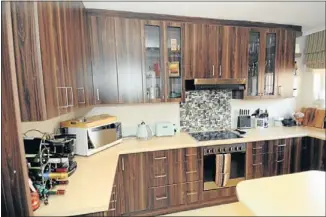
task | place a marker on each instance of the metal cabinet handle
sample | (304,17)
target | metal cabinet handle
(98,94)
(220,71)
(279,161)
(213,70)
(83,89)
(72,97)
(161,198)
(160,176)
(188,155)
(257,164)
(193,171)
(257,148)
(192,193)
(282,145)
(159,158)
(67,101)
(123,164)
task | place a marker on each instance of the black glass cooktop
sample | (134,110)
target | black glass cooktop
(214,135)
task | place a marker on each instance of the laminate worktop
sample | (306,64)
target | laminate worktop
(297,194)
(89,188)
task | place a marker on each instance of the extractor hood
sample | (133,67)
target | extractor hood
(214,83)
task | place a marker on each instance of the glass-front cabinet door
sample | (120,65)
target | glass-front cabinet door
(253,69)
(174,61)
(153,61)
(269,72)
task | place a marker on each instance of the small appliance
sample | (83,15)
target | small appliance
(165,129)
(144,132)
(94,134)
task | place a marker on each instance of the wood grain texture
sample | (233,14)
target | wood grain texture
(102,46)
(189,19)
(28,61)
(15,194)
(285,60)
(129,59)
(296,155)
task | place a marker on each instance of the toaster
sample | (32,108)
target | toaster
(165,129)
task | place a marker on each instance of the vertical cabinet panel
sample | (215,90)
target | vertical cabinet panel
(102,48)
(134,181)
(28,62)
(129,59)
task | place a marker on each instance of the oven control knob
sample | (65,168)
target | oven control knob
(231,149)
(239,148)
(225,149)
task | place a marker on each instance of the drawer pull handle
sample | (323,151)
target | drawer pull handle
(159,158)
(191,193)
(257,164)
(160,176)
(112,209)
(193,171)
(188,155)
(161,198)
(282,145)
(279,161)
(113,201)
(257,148)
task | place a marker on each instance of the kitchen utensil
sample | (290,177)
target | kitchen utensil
(144,131)
(165,129)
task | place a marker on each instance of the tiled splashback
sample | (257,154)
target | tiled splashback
(206,110)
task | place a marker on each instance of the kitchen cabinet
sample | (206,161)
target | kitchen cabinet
(103,58)
(213,51)
(268,158)
(271,63)
(308,154)
(49,57)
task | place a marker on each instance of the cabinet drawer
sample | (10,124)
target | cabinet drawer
(193,170)
(165,196)
(193,191)
(219,193)
(192,154)
(260,148)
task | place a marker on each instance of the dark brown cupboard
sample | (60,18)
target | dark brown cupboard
(50,58)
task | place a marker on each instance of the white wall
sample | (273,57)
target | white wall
(275,107)
(132,115)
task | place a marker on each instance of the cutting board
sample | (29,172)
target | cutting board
(308,116)
(319,118)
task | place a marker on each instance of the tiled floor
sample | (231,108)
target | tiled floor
(232,209)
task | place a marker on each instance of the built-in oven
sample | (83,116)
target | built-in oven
(224,165)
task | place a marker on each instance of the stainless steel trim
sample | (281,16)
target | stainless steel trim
(161,198)
(192,193)
(159,158)
(212,81)
(160,176)
(257,164)
(192,171)
(83,89)
(98,94)
(72,97)
(220,71)
(65,106)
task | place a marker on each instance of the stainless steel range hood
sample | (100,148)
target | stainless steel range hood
(214,83)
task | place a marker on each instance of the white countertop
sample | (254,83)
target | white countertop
(298,194)
(89,188)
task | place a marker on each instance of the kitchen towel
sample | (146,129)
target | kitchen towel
(223,169)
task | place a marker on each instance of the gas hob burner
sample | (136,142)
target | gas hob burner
(214,135)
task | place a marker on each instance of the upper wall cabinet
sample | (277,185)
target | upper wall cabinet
(213,51)
(50,58)
(270,63)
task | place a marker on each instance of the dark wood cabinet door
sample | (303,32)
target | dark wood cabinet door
(134,181)
(29,66)
(129,59)
(15,193)
(282,156)
(196,51)
(233,52)
(295,162)
(285,62)
(102,48)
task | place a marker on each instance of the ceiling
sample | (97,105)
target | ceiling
(309,15)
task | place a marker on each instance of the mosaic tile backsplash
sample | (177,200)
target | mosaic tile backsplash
(206,110)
